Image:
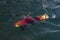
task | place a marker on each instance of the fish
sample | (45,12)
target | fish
(24,22)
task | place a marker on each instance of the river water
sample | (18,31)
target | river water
(13,10)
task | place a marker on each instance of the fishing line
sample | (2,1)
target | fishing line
(52,23)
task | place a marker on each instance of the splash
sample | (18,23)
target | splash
(53,16)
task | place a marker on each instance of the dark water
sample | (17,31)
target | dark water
(13,10)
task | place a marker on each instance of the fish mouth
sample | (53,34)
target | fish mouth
(17,25)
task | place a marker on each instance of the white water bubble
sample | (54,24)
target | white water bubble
(53,16)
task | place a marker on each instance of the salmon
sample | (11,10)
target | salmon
(29,20)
